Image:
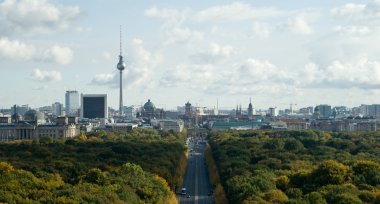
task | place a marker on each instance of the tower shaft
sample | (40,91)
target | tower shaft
(121,94)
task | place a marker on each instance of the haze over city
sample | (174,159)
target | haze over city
(277,52)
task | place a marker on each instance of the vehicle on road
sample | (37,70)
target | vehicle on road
(183,191)
(188,196)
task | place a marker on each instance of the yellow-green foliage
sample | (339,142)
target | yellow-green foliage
(266,166)
(105,167)
(129,184)
(219,194)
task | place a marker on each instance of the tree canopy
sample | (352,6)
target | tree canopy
(267,166)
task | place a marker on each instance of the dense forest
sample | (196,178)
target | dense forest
(298,167)
(106,167)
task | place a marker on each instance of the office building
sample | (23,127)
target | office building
(273,112)
(72,103)
(94,106)
(325,111)
(57,109)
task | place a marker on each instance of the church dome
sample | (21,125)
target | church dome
(149,106)
(33,115)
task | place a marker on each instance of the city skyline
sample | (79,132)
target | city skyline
(278,53)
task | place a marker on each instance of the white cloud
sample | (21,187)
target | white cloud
(138,73)
(26,16)
(349,9)
(363,13)
(235,11)
(166,14)
(253,71)
(359,73)
(311,74)
(183,35)
(58,54)
(172,28)
(214,53)
(362,73)
(46,76)
(103,79)
(194,76)
(352,30)
(299,25)
(16,50)
(261,30)
(251,76)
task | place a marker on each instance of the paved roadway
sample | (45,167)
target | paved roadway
(196,180)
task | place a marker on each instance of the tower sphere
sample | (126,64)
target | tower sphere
(120,65)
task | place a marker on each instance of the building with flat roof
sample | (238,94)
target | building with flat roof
(168,125)
(65,127)
(57,109)
(94,106)
(72,103)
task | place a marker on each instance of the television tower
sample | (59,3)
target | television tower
(121,66)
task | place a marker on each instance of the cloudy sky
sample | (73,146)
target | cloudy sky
(277,52)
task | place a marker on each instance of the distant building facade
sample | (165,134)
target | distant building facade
(72,103)
(20,109)
(33,127)
(168,125)
(94,106)
(149,111)
(57,109)
(324,110)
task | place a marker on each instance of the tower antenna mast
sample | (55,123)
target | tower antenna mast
(121,66)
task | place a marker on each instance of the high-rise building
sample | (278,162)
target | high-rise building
(250,108)
(325,111)
(72,103)
(374,110)
(273,112)
(57,109)
(94,106)
(188,111)
(121,66)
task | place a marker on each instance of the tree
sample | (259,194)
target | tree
(293,145)
(315,198)
(275,196)
(367,172)
(95,176)
(331,172)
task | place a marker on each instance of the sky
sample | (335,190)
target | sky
(276,52)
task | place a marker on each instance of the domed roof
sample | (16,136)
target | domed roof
(149,106)
(33,115)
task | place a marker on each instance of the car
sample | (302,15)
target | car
(183,191)
(188,196)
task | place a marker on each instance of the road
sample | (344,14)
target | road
(196,179)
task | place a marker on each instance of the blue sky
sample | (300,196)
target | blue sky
(277,52)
